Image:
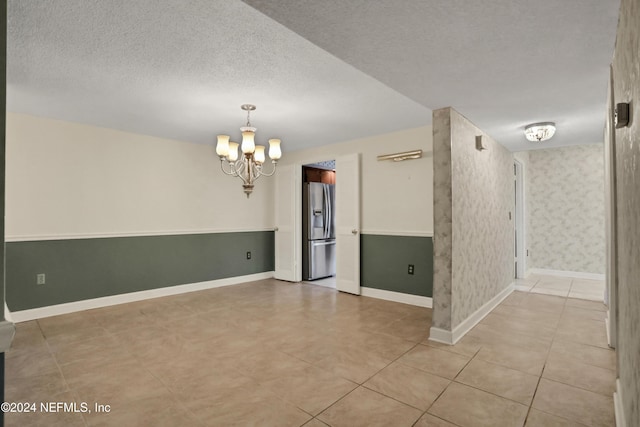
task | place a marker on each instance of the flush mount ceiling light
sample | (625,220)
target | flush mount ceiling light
(538,132)
(249,167)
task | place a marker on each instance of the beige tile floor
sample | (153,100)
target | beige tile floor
(272,353)
(563,286)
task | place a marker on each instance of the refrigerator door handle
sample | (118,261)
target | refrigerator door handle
(330,214)
(327,207)
(323,242)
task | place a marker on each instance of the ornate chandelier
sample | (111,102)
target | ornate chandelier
(249,167)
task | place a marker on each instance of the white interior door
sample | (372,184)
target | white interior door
(348,223)
(287,194)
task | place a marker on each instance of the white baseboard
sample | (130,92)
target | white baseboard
(418,300)
(71,307)
(452,337)
(618,406)
(7,313)
(562,273)
(441,336)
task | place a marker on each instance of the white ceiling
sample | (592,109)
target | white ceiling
(320,71)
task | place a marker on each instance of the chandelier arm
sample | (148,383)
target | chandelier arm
(241,170)
(272,170)
(231,171)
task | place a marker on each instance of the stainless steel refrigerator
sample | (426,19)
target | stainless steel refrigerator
(319,237)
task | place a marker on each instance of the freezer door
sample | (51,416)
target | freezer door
(322,257)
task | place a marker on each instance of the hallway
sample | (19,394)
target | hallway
(588,289)
(273,353)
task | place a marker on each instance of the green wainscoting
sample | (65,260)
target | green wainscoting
(80,269)
(384,261)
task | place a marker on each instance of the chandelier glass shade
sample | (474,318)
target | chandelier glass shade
(538,132)
(249,166)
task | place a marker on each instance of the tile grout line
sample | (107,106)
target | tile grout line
(64,378)
(451,381)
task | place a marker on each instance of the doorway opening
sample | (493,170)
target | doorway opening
(318,236)
(520,253)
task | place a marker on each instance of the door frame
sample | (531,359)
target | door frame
(298,209)
(297,201)
(611,220)
(520,224)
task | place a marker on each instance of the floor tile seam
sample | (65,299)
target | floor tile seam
(609,395)
(502,366)
(334,403)
(520,319)
(550,294)
(295,405)
(586,363)
(571,318)
(570,338)
(390,363)
(464,367)
(64,333)
(552,288)
(55,360)
(81,385)
(330,371)
(457,381)
(491,362)
(518,332)
(544,366)
(435,416)
(588,291)
(447,350)
(506,342)
(509,367)
(570,359)
(558,416)
(395,398)
(425,371)
(535,393)
(384,334)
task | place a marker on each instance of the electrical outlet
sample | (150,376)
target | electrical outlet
(41,279)
(410,269)
(248,255)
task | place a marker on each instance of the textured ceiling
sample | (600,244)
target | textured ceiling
(320,71)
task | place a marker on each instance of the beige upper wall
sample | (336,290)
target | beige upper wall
(397,197)
(71,180)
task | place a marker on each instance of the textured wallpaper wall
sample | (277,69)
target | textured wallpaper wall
(442,219)
(626,84)
(473,234)
(567,221)
(482,197)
